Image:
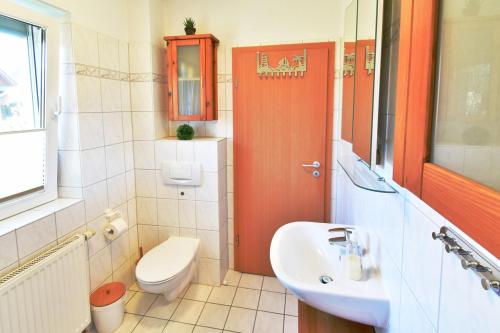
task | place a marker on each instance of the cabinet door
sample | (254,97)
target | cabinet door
(187,76)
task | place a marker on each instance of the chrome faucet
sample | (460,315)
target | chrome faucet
(342,240)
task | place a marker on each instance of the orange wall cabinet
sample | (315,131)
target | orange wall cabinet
(192,77)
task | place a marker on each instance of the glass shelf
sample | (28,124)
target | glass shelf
(360,175)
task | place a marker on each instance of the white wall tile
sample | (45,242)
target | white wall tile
(145,182)
(117,190)
(146,211)
(35,235)
(125,96)
(209,189)
(89,94)
(115,160)
(187,217)
(130,178)
(132,212)
(209,243)
(93,166)
(465,305)
(100,267)
(168,212)
(185,151)
(129,155)
(422,261)
(205,152)
(111,95)
(413,319)
(141,96)
(127,126)
(91,130)
(144,154)
(113,128)
(143,125)
(165,150)
(148,236)
(96,200)
(165,233)
(120,250)
(207,215)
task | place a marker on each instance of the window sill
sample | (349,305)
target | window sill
(20,220)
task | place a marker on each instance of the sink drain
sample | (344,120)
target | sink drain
(325,279)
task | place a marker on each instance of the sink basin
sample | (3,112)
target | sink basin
(301,254)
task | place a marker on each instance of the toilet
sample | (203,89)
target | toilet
(169,267)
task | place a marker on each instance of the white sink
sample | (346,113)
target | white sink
(301,253)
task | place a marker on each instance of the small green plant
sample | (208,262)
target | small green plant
(185,132)
(189,26)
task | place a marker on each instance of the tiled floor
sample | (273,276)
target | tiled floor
(248,303)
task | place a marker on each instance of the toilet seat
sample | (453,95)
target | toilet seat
(167,260)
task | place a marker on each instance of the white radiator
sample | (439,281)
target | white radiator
(49,294)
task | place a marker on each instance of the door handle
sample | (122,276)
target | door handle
(314,164)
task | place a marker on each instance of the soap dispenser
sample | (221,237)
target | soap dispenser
(352,260)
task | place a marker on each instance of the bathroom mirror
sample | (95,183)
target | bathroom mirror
(362,123)
(349,70)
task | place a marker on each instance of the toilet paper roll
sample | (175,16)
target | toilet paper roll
(115,228)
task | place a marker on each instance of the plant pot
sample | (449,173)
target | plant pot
(190,31)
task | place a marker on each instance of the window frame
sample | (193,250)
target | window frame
(51,107)
(469,205)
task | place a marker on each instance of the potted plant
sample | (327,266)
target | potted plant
(185,132)
(189,26)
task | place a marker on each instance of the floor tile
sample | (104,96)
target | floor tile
(232,278)
(150,325)
(129,295)
(246,298)
(188,311)
(266,322)
(240,320)
(130,321)
(273,284)
(201,329)
(291,305)
(291,324)
(174,327)
(251,281)
(198,292)
(213,315)
(140,303)
(163,309)
(222,295)
(272,302)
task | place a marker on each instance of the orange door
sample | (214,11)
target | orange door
(280,123)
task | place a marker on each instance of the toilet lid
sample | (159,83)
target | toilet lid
(166,260)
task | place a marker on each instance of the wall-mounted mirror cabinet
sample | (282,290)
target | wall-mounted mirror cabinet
(371,38)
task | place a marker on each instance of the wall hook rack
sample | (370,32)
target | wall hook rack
(487,271)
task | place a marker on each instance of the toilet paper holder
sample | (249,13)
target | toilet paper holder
(110,215)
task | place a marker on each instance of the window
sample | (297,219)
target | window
(28,89)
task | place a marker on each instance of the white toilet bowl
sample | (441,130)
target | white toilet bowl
(169,267)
